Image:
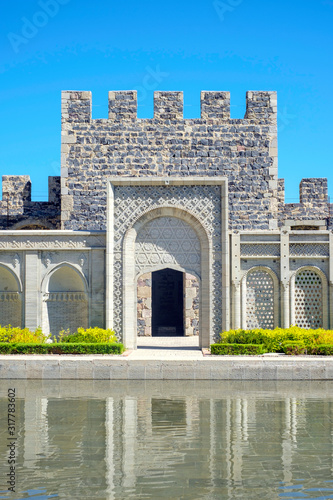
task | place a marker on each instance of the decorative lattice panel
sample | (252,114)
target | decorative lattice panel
(308,300)
(249,249)
(309,249)
(167,240)
(132,202)
(259,300)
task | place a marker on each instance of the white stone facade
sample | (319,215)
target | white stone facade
(197,197)
(65,279)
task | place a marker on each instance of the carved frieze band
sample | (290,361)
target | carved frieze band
(65,297)
(50,243)
(9,297)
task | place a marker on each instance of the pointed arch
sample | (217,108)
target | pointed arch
(10,297)
(309,297)
(65,299)
(260,298)
(130,288)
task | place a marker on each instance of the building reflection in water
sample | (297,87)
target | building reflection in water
(186,440)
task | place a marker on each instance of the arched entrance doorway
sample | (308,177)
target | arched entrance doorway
(167,303)
(160,302)
(166,238)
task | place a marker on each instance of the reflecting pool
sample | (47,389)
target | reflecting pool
(167,439)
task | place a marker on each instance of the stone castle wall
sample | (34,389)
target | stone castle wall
(167,145)
(17,211)
(314,204)
(243,150)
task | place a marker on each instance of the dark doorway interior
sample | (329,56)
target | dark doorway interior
(167,303)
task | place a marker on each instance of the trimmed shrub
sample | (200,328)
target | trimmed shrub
(93,335)
(274,340)
(22,335)
(61,348)
(236,349)
(321,350)
(294,348)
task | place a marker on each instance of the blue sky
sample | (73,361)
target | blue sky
(236,45)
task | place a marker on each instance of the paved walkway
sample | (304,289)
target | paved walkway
(167,348)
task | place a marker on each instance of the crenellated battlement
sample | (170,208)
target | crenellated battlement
(245,151)
(123,105)
(18,211)
(313,203)
(261,106)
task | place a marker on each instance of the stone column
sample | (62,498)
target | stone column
(109,257)
(97,278)
(285,277)
(330,280)
(285,305)
(225,257)
(32,309)
(243,304)
(237,305)
(235,278)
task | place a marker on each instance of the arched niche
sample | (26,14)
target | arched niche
(170,251)
(309,298)
(260,298)
(10,298)
(66,300)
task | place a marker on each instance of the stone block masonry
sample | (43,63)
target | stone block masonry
(17,211)
(199,196)
(243,150)
(313,205)
(144,305)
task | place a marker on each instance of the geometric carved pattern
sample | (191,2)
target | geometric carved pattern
(308,300)
(272,249)
(202,201)
(167,240)
(65,297)
(70,242)
(309,249)
(259,300)
(9,297)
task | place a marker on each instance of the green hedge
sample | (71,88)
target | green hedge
(60,348)
(321,350)
(275,340)
(234,349)
(294,348)
(94,335)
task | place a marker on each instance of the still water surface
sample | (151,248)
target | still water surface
(169,440)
